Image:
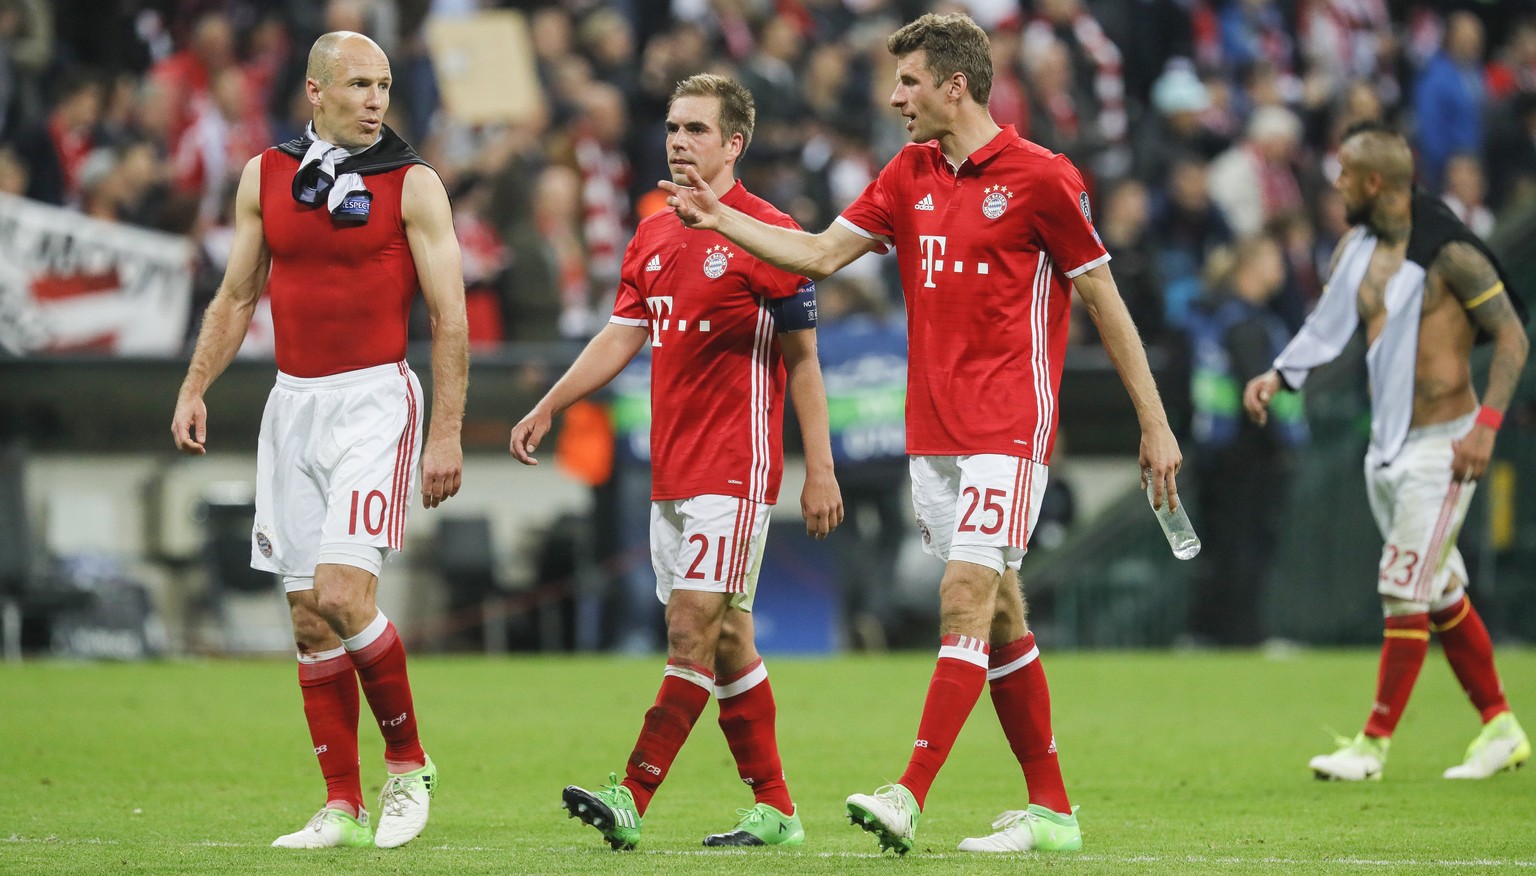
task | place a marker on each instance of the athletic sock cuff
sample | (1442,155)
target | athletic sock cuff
(966,648)
(737,683)
(694,673)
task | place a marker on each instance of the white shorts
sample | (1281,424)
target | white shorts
(709,543)
(980,508)
(1419,509)
(335,470)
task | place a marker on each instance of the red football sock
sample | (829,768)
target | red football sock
(957,682)
(1404,643)
(685,690)
(379,656)
(1023,702)
(747,715)
(329,685)
(1470,652)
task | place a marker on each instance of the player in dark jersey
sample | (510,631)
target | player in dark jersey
(341,227)
(992,233)
(726,333)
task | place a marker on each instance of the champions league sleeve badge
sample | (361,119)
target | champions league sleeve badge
(353,209)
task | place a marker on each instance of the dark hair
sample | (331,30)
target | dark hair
(738,112)
(955,44)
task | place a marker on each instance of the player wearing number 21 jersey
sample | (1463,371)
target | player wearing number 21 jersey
(992,233)
(727,333)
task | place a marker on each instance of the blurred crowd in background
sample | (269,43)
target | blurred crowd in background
(1198,123)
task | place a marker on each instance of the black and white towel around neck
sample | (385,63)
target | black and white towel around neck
(336,174)
(1392,357)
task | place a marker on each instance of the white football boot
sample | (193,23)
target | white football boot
(1358,760)
(1501,746)
(329,829)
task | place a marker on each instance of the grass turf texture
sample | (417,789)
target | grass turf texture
(1182,763)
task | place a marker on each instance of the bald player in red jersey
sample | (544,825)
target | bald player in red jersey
(726,333)
(992,233)
(341,227)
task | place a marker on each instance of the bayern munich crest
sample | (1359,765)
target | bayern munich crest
(995,203)
(264,545)
(716,259)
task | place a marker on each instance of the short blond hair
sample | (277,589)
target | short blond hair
(738,111)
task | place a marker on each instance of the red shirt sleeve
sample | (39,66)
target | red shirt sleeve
(871,214)
(1065,221)
(628,306)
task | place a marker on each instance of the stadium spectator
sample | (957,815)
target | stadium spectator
(1465,191)
(188,75)
(596,151)
(1177,127)
(1255,179)
(1430,439)
(55,152)
(959,339)
(716,463)
(1097,82)
(1449,98)
(347,209)
(1241,468)
(1513,69)
(1188,228)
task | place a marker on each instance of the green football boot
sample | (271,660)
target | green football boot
(611,810)
(762,825)
(1035,828)
(1501,746)
(329,829)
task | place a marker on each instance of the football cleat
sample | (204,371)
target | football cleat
(329,829)
(1036,828)
(1501,746)
(890,814)
(611,810)
(762,825)
(1358,760)
(404,804)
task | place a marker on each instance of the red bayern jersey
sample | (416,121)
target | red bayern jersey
(341,294)
(717,377)
(987,252)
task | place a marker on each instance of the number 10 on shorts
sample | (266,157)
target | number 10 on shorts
(373,521)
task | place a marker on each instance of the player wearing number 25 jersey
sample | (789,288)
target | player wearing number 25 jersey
(992,233)
(987,252)
(727,334)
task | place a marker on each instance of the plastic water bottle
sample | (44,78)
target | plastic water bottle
(1176,525)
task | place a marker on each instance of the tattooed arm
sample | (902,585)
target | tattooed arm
(1472,279)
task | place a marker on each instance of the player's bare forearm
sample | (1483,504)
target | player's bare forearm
(228,315)
(1511,346)
(1122,342)
(600,361)
(821,502)
(1159,450)
(450,376)
(799,252)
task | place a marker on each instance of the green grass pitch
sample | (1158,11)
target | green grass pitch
(1182,763)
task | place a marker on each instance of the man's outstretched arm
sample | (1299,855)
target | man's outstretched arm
(799,252)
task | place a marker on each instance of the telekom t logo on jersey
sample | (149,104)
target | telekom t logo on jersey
(933,246)
(660,307)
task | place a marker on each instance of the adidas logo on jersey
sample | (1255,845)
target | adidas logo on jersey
(654,264)
(926,203)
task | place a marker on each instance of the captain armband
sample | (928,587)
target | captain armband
(1487,296)
(796,312)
